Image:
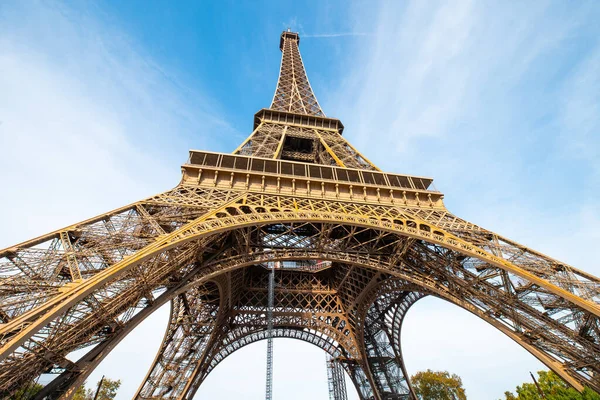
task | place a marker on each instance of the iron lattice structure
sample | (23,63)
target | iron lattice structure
(336,381)
(355,248)
(270,305)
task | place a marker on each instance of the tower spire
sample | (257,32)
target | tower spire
(355,248)
(294,127)
(294,93)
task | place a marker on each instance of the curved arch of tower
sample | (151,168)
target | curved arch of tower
(352,248)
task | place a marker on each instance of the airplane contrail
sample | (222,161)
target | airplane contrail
(327,35)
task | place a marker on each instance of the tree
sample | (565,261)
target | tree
(82,394)
(107,391)
(553,387)
(438,385)
(28,391)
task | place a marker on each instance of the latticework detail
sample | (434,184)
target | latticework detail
(335,379)
(303,144)
(293,93)
(354,249)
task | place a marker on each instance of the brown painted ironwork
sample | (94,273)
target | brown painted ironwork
(355,248)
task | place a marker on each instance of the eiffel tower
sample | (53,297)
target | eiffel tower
(352,249)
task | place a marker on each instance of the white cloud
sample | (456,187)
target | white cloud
(580,114)
(333,35)
(86,116)
(438,336)
(89,122)
(499,103)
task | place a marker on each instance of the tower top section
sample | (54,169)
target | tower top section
(294,93)
(289,35)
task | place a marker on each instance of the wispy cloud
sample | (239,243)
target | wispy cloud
(475,97)
(293,24)
(499,103)
(579,115)
(334,35)
(89,122)
(85,111)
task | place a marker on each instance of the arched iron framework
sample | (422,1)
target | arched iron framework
(294,191)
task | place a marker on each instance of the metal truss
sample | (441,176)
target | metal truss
(356,248)
(381,326)
(195,316)
(277,140)
(294,93)
(270,306)
(335,379)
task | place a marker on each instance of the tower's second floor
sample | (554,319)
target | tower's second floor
(295,149)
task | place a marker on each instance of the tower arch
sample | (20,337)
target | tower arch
(294,191)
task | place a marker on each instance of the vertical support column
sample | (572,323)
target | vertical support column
(386,369)
(70,256)
(381,335)
(269,388)
(359,378)
(194,320)
(335,379)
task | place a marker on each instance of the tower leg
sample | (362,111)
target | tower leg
(383,356)
(64,386)
(194,316)
(359,377)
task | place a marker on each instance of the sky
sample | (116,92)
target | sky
(498,101)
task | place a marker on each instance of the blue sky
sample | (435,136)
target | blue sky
(498,101)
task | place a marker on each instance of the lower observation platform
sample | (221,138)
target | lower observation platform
(233,171)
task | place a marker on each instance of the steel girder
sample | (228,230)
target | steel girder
(294,93)
(336,380)
(380,328)
(524,300)
(306,308)
(295,190)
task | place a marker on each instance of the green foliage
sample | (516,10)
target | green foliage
(82,394)
(553,387)
(109,388)
(438,385)
(108,391)
(28,392)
